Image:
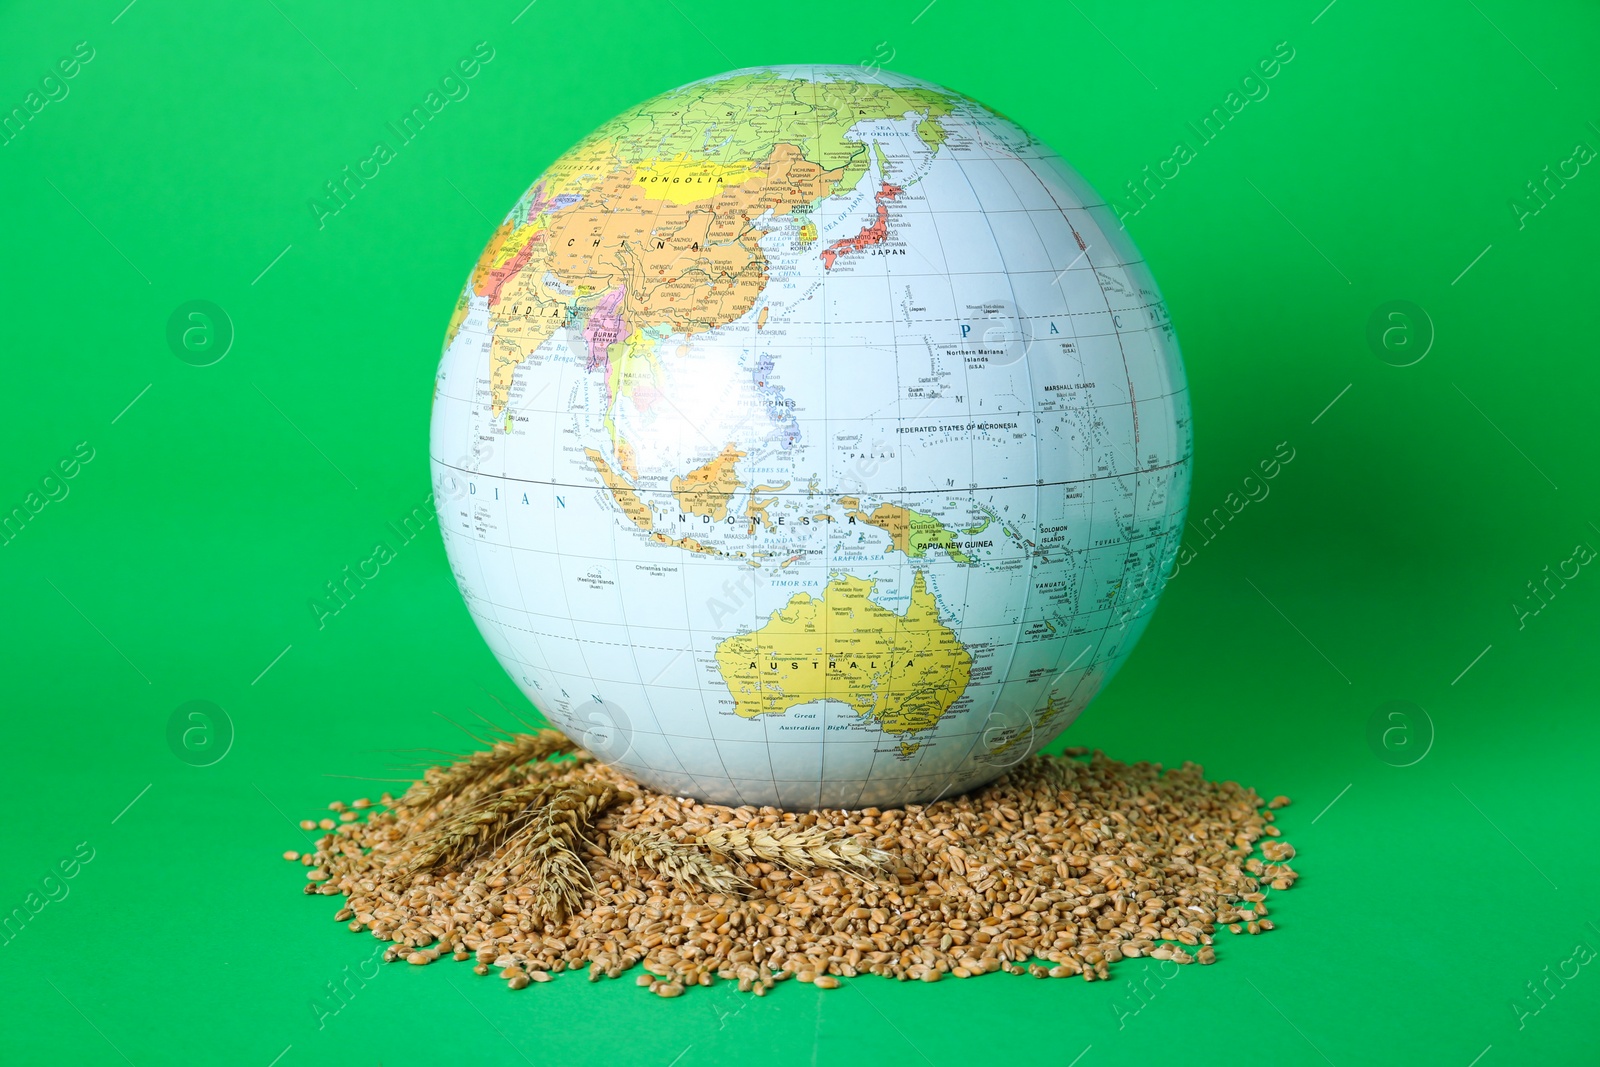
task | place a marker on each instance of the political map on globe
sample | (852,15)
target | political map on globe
(810,436)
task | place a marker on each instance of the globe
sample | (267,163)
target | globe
(810,436)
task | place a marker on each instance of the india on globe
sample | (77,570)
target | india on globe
(811,436)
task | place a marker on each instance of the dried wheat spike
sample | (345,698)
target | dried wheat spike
(681,863)
(561,884)
(482,767)
(546,841)
(798,850)
(462,835)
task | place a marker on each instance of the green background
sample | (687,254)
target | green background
(1383,566)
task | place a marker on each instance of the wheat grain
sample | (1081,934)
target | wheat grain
(1060,868)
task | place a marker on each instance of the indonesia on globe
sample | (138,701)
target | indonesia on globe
(813,437)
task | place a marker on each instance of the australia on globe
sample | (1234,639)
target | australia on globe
(811,436)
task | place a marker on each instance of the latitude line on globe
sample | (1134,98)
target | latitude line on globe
(799,495)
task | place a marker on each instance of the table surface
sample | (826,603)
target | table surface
(1447,912)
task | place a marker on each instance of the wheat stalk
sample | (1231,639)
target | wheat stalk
(797,850)
(681,863)
(482,768)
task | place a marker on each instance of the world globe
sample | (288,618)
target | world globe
(811,436)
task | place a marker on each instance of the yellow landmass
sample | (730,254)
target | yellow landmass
(515,241)
(706,490)
(902,670)
(684,179)
(626,498)
(632,365)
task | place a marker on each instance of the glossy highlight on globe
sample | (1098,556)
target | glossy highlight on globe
(811,437)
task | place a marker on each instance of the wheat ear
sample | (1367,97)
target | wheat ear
(674,860)
(483,767)
(461,835)
(797,850)
(546,845)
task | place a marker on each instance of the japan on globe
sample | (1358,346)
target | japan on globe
(813,437)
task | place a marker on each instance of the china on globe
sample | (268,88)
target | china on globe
(811,437)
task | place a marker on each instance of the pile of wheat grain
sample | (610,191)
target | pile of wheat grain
(536,865)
